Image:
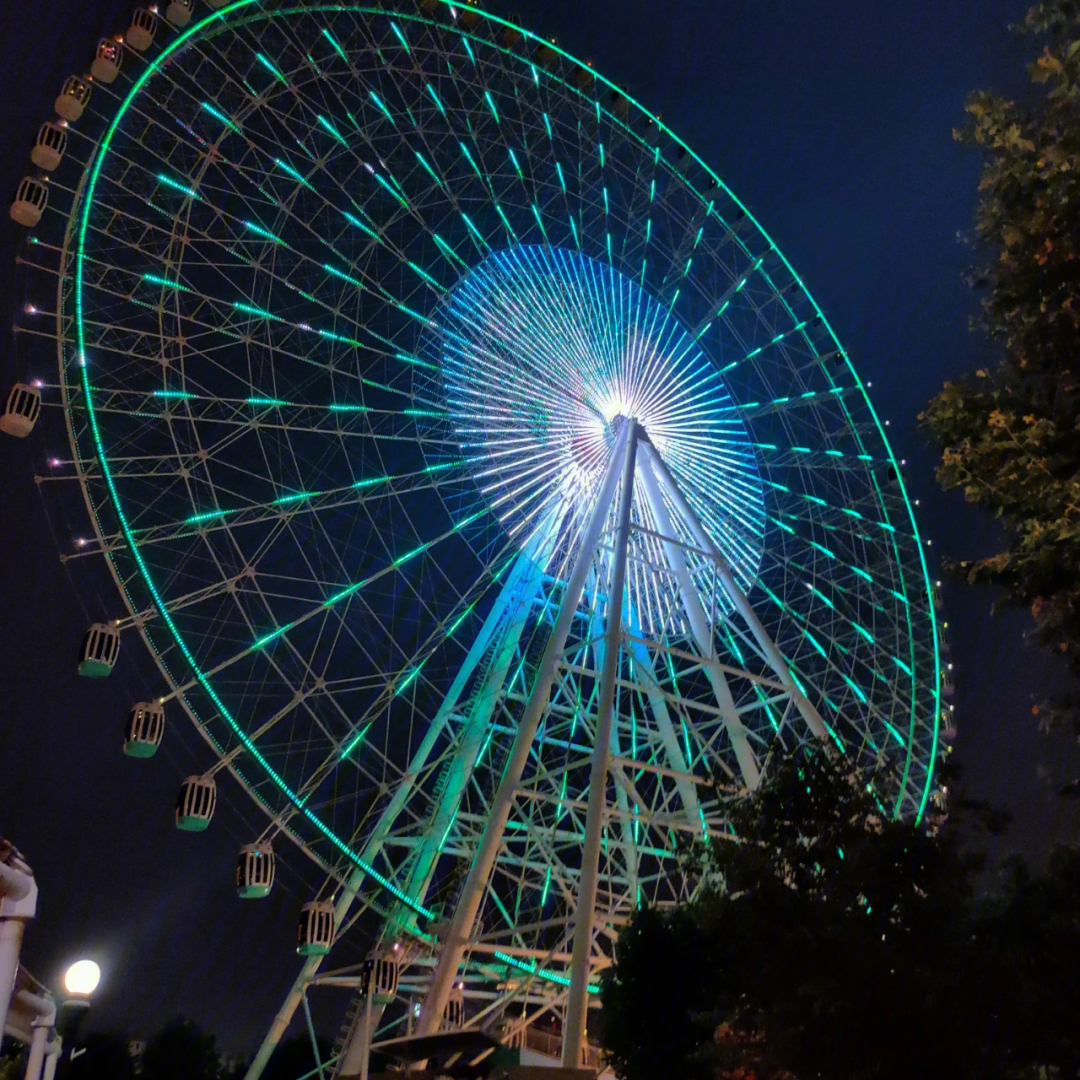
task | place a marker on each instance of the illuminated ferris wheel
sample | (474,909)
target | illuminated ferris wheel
(494,498)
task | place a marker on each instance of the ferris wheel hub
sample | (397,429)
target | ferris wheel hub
(576,348)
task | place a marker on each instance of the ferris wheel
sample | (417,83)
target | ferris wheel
(495,500)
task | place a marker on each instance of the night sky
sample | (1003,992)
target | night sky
(833,123)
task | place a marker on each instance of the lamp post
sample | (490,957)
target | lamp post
(80,981)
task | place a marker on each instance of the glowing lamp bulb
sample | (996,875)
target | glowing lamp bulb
(82,978)
(611,408)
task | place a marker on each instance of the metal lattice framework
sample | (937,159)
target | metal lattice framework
(391,345)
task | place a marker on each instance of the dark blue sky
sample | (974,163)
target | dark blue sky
(833,122)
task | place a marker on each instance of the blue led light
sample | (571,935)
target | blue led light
(573,344)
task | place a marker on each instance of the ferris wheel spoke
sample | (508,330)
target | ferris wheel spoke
(349,148)
(392,689)
(229,312)
(282,510)
(301,619)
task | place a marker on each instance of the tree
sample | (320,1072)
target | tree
(180,1051)
(832,941)
(12,1059)
(652,1024)
(1010,431)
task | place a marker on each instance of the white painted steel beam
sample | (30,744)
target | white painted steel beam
(476,884)
(577,1003)
(701,630)
(727,579)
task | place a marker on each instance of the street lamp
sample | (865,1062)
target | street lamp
(80,981)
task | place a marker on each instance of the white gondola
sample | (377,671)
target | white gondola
(454,1010)
(620,106)
(948,688)
(943,638)
(195,803)
(49,147)
(22,411)
(100,649)
(546,56)
(29,202)
(179,12)
(73,99)
(254,871)
(379,977)
(145,727)
(315,933)
(585,79)
(140,34)
(107,60)
(947,727)
(468,17)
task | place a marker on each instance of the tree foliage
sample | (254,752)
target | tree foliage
(835,942)
(1010,431)
(180,1051)
(12,1059)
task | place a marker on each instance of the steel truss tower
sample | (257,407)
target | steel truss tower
(604,703)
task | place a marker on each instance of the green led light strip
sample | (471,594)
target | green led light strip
(540,973)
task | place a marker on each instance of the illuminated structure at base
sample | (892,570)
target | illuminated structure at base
(495,500)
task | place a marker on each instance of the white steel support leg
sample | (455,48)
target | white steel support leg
(355,1056)
(36,1061)
(523,566)
(585,913)
(475,885)
(742,605)
(471,741)
(702,631)
(44,1010)
(622,802)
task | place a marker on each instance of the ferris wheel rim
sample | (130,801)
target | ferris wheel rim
(100,154)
